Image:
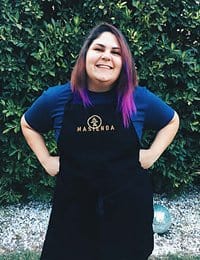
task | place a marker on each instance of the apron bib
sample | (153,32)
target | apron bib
(102,207)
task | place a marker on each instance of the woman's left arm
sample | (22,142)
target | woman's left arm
(162,140)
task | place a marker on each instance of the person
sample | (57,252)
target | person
(102,207)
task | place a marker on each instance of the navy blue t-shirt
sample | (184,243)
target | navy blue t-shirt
(46,113)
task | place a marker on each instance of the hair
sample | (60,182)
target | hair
(126,82)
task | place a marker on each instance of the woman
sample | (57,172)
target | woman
(102,206)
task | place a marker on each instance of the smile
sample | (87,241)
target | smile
(104,66)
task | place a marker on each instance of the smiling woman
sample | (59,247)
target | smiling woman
(102,207)
(107,39)
(103,62)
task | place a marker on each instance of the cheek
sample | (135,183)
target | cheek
(119,66)
(91,57)
(88,63)
(118,62)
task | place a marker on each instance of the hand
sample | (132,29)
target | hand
(51,165)
(147,158)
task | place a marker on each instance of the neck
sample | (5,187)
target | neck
(101,87)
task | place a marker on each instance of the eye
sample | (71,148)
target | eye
(116,53)
(98,49)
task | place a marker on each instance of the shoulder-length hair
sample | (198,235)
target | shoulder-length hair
(126,82)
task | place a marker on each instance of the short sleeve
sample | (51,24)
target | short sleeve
(46,113)
(158,113)
(38,116)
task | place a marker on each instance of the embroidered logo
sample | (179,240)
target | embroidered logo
(94,121)
(95,124)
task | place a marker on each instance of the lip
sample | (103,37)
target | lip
(104,66)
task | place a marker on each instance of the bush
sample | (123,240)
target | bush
(39,43)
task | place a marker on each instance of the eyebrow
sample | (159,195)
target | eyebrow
(103,46)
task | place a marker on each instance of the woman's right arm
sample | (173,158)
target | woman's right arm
(36,142)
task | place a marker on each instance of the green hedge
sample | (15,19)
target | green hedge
(39,43)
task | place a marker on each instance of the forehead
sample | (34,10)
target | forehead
(106,39)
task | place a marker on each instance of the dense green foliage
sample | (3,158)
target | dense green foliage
(39,43)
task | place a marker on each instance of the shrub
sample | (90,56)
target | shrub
(39,43)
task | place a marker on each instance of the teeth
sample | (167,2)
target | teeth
(104,66)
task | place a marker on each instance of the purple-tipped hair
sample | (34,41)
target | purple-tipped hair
(126,82)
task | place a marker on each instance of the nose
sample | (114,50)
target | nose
(106,56)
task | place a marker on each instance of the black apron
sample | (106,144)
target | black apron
(102,207)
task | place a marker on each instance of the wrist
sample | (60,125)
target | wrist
(155,153)
(44,159)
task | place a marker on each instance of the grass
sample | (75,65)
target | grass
(30,255)
(25,255)
(175,257)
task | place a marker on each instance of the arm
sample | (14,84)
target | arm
(38,146)
(162,140)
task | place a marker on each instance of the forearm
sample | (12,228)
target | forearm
(36,142)
(162,140)
(164,137)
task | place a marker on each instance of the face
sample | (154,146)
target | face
(103,62)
